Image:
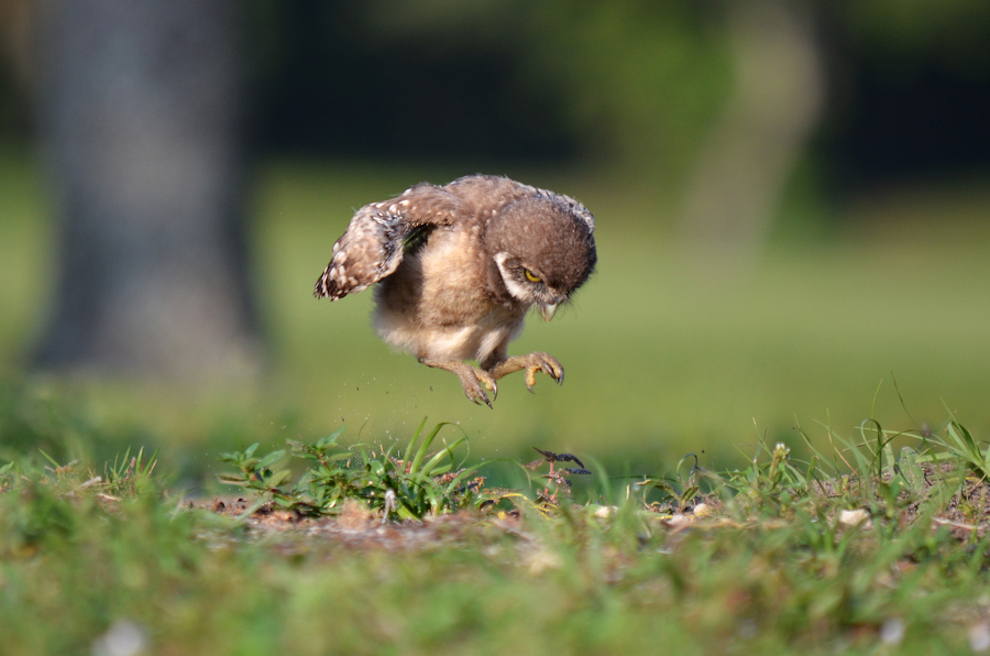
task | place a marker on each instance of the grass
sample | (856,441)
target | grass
(857,550)
(669,352)
(421,484)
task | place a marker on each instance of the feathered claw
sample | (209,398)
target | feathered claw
(532,363)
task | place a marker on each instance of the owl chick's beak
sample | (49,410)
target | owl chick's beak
(548,311)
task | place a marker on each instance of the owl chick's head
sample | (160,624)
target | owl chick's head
(543,248)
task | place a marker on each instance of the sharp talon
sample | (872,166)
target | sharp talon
(479,398)
(487,381)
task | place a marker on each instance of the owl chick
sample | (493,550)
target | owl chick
(457,268)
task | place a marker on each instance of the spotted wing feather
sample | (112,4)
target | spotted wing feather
(373,245)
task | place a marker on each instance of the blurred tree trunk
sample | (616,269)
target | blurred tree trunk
(775,106)
(138,107)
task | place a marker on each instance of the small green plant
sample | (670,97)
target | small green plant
(409,483)
(959,442)
(678,493)
(256,473)
(129,474)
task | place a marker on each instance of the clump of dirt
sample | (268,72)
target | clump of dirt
(356,527)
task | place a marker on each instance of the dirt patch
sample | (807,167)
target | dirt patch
(358,528)
(965,512)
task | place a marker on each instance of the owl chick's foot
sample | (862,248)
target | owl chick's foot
(532,363)
(473,380)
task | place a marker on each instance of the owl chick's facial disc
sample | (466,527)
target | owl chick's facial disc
(458,266)
(541,262)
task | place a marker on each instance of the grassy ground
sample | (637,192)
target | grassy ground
(668,350)
(886,555)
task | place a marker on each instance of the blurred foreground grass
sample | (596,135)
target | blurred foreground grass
(669,348)
(858,551)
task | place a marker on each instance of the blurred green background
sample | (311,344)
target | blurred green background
(793,207)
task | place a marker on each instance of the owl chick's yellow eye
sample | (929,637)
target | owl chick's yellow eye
(530,276)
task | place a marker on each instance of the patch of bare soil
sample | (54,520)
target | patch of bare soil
(356,527)
(966,512)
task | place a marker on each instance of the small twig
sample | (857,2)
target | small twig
(960,525)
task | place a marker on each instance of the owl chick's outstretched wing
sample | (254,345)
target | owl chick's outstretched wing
(373,244)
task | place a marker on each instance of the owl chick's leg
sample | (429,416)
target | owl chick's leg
(473,380)
(532,363)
